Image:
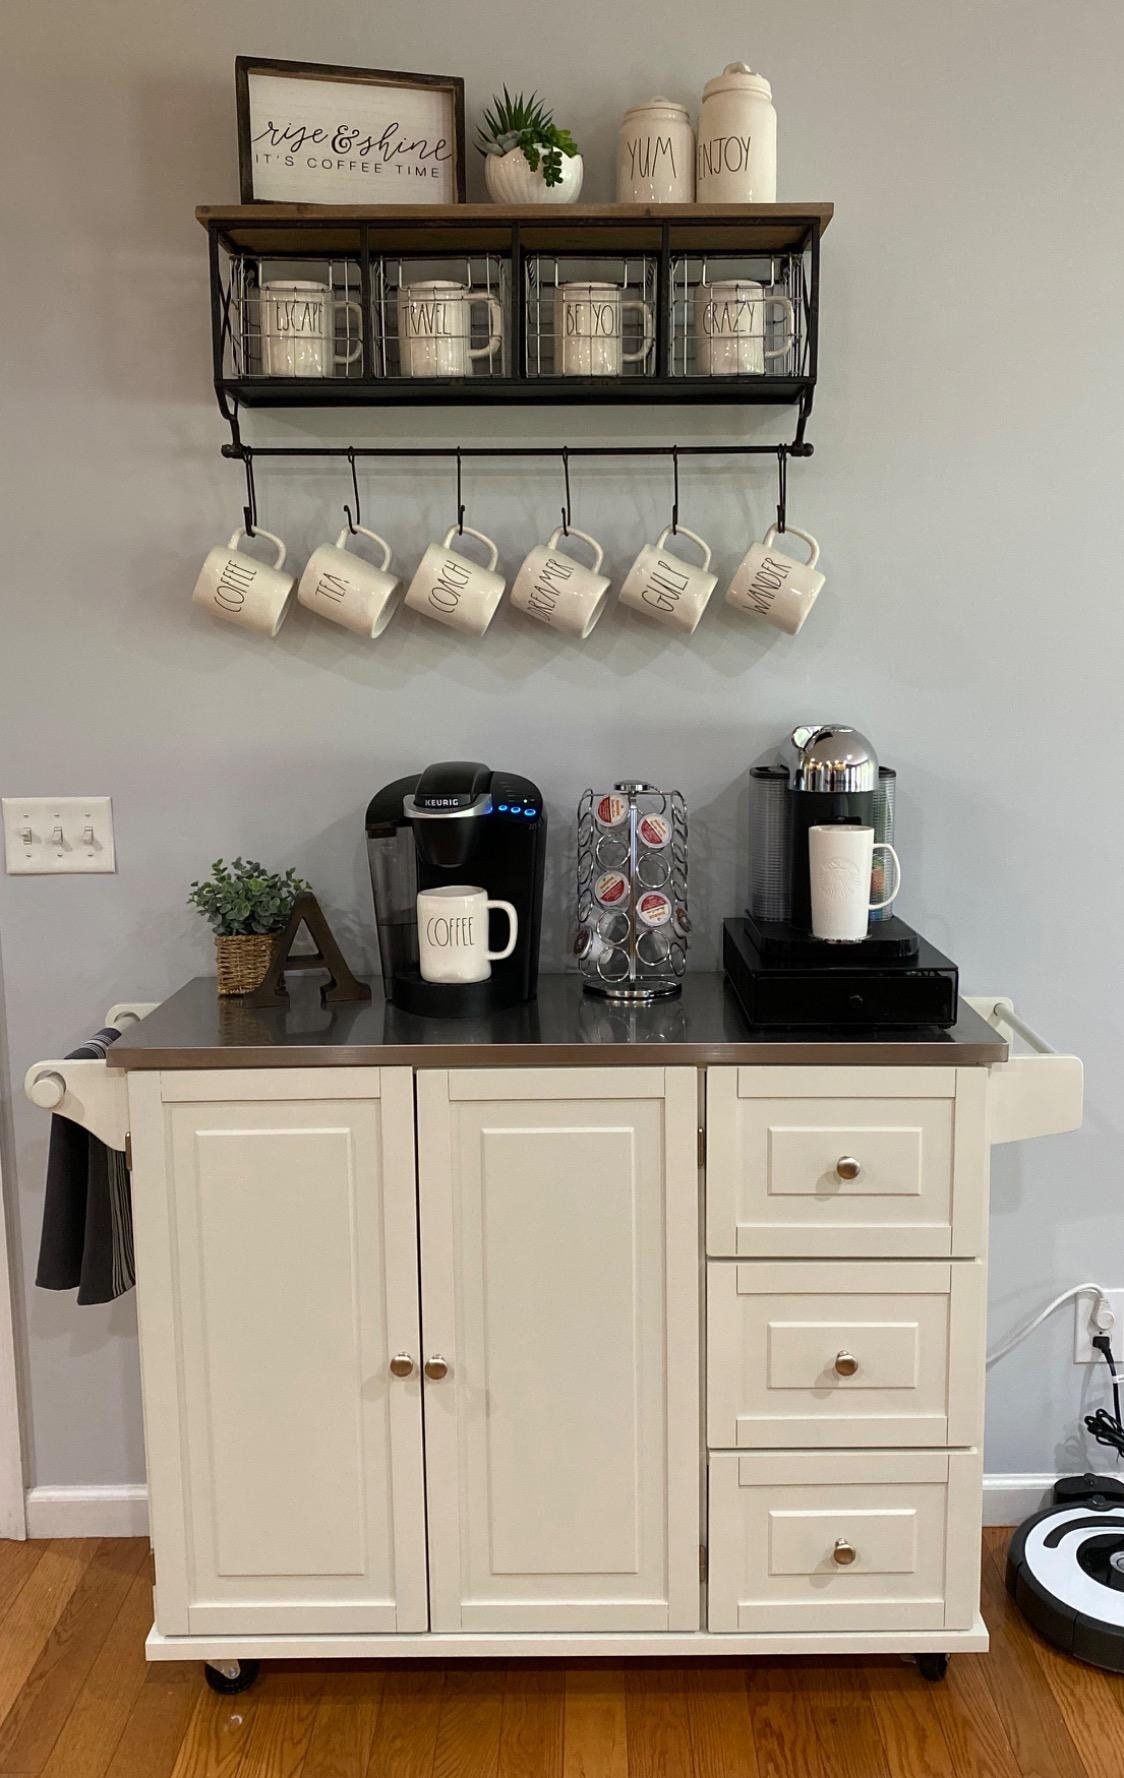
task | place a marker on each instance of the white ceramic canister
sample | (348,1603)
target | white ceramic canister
(736,160)
(656,154)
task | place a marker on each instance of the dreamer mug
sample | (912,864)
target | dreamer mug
(453,589)
(234,585)
(341,586)
(297,318)
(731,325)
(559,591)
(589,330)
(664,586)
(453,933)
(840,861)
(435,328)
(770,583)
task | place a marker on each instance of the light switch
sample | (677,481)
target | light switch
(49,836)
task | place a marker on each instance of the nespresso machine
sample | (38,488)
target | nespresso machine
(457,822)
(782,973)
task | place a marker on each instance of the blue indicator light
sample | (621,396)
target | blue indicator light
(503,808)
(528,811)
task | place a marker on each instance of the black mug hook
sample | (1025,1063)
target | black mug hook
(782,485)
(250,510)
(353,523)
(674,490)
(566,486)
(460,502)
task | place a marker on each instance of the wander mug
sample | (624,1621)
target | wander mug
(455,590)
(589,330)
(665,587)
(298,329)
(731,324)
(453,934)
(234,585)
(435,328)
(341,586)
(771,584)
(559,591)
(840,861)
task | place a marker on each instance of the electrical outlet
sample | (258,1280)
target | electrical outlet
(50,836)
(1085,1327)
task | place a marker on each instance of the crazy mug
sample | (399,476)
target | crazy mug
(453,589)
(665,587)
(769,583)
(453,933)
(234,585)
(559,591)
(341,586)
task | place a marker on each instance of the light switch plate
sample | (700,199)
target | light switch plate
(56,835)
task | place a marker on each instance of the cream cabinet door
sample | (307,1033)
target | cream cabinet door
(277,1276)
(559,1241)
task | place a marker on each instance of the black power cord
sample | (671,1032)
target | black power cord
(1106,1428)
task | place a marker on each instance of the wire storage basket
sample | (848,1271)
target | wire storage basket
(590,317)
(631,942)
(441,317)
(293,318)
(741,315)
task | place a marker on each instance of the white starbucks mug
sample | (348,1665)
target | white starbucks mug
(589,330)
(297,320)
(770,583)
(453,933)
(435,328)
(840,861)
(453,589)
(341,586)
(664,586)
(558,591)
(731,325)
(234,585)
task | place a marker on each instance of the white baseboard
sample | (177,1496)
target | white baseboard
(1009,1499)
(118,1509)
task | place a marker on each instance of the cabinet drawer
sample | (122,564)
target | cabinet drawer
(844,1353)
(847,1540)
(846,1162)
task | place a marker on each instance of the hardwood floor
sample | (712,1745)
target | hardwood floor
(78,1701)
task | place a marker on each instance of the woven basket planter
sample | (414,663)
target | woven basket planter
(243,959)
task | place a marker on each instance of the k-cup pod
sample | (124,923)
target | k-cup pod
(611,888)
(610,810)
(681,919)
(654,830)
(653,908)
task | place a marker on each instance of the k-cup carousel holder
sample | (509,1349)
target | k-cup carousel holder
(631,940)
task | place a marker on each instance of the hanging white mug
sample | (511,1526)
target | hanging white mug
(558,591)
(731,328)
(771,584)
(840,861)
(664,586)
(453,933)
(453,589)
(589,330)
(235,586)
(435,328)
(341,586)
(298,322)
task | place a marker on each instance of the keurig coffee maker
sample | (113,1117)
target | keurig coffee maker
(457,823)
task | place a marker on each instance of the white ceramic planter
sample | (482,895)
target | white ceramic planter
(510,180)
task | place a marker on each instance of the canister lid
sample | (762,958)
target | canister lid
(738,77)
(670,108)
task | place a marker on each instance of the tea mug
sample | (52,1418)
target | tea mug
(665,587)
(453,589)
(341,586)
(453,933)
(234,585)
(772,584)
(840,861)
(559,591)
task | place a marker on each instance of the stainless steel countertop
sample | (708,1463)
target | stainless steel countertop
(562,1028)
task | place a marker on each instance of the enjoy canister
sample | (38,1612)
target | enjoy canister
(736,158)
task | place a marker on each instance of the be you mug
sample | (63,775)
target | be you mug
(453,589)
(299,319)
(770,583)
(589,330)
(731,325)
(347,590)
(552,587)
(435,328)
(453,933)
(663,586)
(840,862)
(234,585)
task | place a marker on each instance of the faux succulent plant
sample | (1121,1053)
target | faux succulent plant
(526,124)
(244,897)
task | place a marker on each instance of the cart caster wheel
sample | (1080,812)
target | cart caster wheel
(933,1667)
(229,1677)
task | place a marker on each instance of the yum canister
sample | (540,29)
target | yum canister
(736,159)
(656,154)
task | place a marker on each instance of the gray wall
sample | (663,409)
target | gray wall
(968,446)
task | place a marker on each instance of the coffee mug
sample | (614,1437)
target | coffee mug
(770,584)
(453,934)
(559,591)
(342,587)
(663,586)
(234,585)
(731,322)
(435,328)
(589,328)
(298,328)
(840,861)
(455,590)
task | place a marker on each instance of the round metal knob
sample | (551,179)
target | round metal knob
(846,1167)
(844,1553)
(436,1368)
(846,1364)
(401,1365)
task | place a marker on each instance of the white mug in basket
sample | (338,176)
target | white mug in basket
(664,586)
(731,326)
(453,589)
(435,328)
(341,586)
(298,319)
(840,860)
(589,330)
(234,585)
(559,591)
(770,583)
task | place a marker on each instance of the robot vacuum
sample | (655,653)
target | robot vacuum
(1065,1570)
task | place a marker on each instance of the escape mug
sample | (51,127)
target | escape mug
(453,933)
(665,587)
(341,586)
(559,591)
(455,590)
(731,324)
(772,584)
(840,861)
(589,330)
(234,585)
(435,328)
(298,319)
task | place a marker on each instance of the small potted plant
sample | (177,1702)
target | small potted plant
(527,158)
(246,907)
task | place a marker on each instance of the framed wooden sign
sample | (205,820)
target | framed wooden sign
(312,133)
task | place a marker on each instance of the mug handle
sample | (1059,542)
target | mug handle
(362,531)
(513,934)
(495,322)
(644,350)
(770,538)
(682,531)
(350,357)
(467,531)
(885,846)
(269,537)
(782,303)
(598,552)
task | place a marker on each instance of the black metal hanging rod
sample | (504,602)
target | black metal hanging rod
(451,452)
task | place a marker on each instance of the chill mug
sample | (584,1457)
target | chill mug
(453,934)
(341,586)
(234,585)
(435,326)
(665,587)
(840,861)
(589,327)
(731,322)
(455,590)
(559,591)
(298,329)
(771,584)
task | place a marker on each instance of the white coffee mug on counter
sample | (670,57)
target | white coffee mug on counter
(589,330)
(453,933)
(559,591)
(664,586)
(341,586)
(435,328)
(840,861)
(731,326)
(770,583)
(298,328)
(234,585)
(453,589)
